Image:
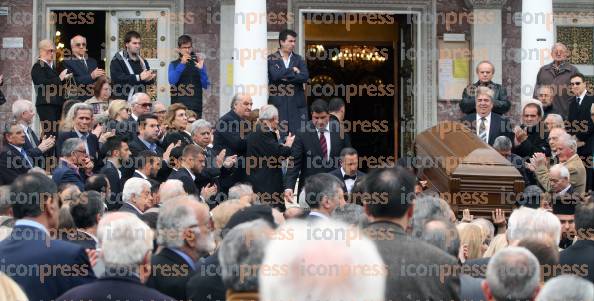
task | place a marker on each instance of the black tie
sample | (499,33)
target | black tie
(347,177)
(33,137)
(579,101)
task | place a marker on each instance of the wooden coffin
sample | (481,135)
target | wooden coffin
(467,172)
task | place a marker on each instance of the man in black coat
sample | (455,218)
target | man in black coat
(116,152)
(14,160)
(192,164)
(391,216)
(230,134)
(579,120)
(24,112)
(316,150)
(48,87)
(83,68)
(130,73)
(485,71)
(264,158)
(287,73)
(530,137)
(348,172)
(148,140)
(580,255)
(188,236)
(486,124)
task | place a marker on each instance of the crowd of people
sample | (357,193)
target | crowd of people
(122,197)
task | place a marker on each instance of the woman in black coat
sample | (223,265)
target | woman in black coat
(176,121)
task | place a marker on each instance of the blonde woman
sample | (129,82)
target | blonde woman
(499,242)
(471,238)
(176,121)
(10,290)
(119,113)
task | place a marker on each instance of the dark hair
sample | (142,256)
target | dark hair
(319,186)
(142,118)
(390,190)
(145,157)
(97,183)
(29,193)
(578,75)
(538,110)
(177,152)
(98,86)
(84,210)
(112,144)
(282,36)
(348,151)
(335,104)
(584,217)
(131,34)
(183,39)
(319,106)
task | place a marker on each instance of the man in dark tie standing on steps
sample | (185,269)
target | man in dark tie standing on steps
(24,112)
(487,125)
(580,123)
(83,67)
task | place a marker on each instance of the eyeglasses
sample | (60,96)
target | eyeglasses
(146,105)
(575,83)
(84,152)
(81,44)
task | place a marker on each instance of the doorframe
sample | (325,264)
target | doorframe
(425,81)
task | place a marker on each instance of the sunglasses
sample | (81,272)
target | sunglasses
(81,44)
(575,83)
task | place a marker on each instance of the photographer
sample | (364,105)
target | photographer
(187,76)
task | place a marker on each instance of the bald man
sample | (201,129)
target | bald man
(83,67)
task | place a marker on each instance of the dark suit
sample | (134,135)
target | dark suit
(287,93)
(136,146)
(64,174)
(307,155)
(267,176)
(184,176)
(536,142)
(206,286)
(470,288)
(498,126)
(228,136)
(115,288)
(126,207)
(580,123)
(337,173)
(12,164)
(31,247)
(116,184)
(126,129)
(170,274)
(49,93)
(401,252)
(80,238)
(579,256)
(174,136)
(125,83)
(81,71)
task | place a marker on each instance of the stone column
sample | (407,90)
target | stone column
(486,35)
(537,40)
(250,68)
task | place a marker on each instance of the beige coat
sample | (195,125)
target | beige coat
(577,175)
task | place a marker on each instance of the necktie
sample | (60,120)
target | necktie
(347,177)
(84,137)
(323,144)
(153,147)
(483,130)
(35,140)
(579,101)
(85,63)
(26,162)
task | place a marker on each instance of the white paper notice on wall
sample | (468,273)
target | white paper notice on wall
(13,42)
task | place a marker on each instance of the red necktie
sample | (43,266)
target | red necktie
(323,145)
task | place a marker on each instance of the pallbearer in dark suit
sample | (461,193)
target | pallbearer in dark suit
(580,122)
(48,87)
(116,152)
(348,172)
(265,155)
(287,73)
(83,67)
(14,160)
(316,150)
(487,124)
(24,112)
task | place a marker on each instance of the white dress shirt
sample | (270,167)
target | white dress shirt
(349,183)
